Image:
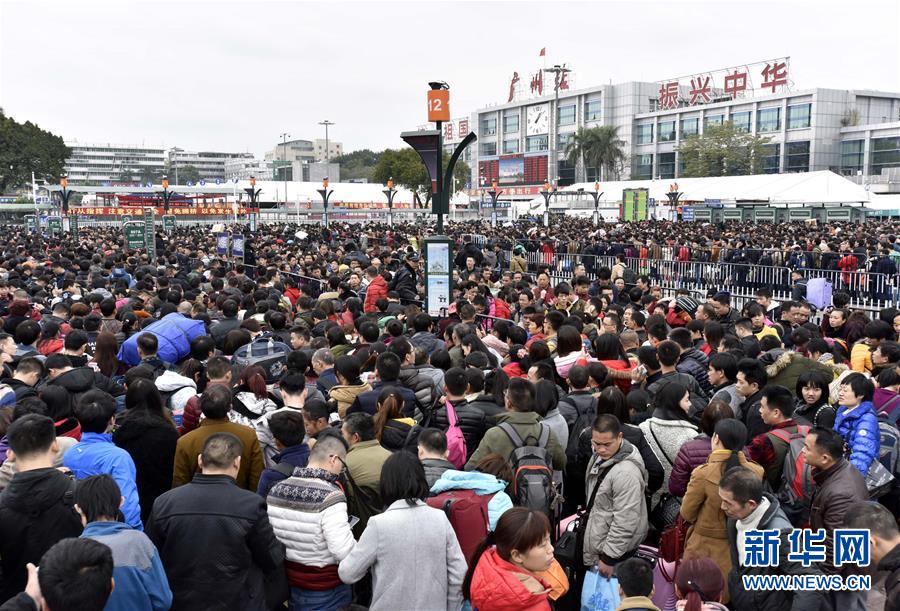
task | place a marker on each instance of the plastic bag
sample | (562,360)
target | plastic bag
(599,593)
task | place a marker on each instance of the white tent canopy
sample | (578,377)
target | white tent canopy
(824,187)
(343,192)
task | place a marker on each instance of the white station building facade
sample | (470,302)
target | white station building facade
(522,142)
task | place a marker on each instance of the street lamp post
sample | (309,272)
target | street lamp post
(325,193)
(674,196)
(558,73)
(166,194)
(596,193)
(494,193)
(326,123)
(65,194)
(284,136)
(253,192)
(389,193)
(547,193)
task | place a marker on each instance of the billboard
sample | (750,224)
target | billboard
(634,204)
(512,171)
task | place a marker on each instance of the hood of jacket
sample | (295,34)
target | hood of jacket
(428,342)
(480,483)
(880,399)
(80,379)
(776,363)
(346,394)
(171,381)
(37,490)
(501,586)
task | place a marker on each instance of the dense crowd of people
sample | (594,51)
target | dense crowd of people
(294,430)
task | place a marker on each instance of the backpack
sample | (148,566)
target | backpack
(266,353)
(467,512)
(796,489)
(533,485)
(456,442)
(583,419)
(889,451)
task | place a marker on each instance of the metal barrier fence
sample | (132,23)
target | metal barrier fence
(867,290)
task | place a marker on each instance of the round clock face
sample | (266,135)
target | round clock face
(538,120)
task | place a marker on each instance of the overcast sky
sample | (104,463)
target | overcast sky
(232,76)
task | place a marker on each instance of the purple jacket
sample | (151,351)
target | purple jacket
(692,454)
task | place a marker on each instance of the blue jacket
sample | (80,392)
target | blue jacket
(859,428)
(96,454)
(141,583)
(481,483)
(297,456)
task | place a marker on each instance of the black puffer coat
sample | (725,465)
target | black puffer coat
(421,384)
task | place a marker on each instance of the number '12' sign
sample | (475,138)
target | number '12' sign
(438,105)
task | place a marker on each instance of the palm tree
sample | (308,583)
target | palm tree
(598,147)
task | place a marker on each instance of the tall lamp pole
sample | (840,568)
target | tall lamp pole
(674,196)
(325,193)
(253,192)
(284,136)
(390,192)
(558,73)
(326,123)
(495,194)
(166,194)
(65,194)
(547,193)
(596,193)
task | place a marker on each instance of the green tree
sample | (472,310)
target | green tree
(26,148)
(406,168)
(598,147)
(722,150)
(358,164)
(184,174)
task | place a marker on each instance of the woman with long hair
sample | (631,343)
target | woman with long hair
(472,343)
(608,350)
(694,453)
(505,569)
(51,342)
(391,427)
(517,362)
(147,433)
(701,505)
(569,350)
(337,341)
(105,353)
(670,426)
(700,586)
(252,403)
(408,545)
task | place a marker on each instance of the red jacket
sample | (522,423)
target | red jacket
(498,585)
(501,309)
(293,294)
(377,289)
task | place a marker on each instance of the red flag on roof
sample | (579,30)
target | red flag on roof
(543,52)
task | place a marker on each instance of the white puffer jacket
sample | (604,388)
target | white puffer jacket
(309,515)
(183,388)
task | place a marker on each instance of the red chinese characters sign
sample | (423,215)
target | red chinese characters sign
(176,210)
(730,83)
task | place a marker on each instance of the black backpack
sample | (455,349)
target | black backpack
(533,485)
